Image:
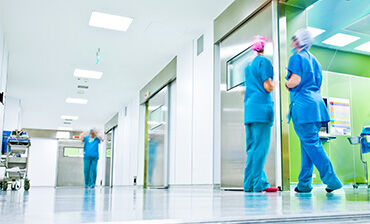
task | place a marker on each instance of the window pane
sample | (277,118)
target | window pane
(236,66)
(73,152)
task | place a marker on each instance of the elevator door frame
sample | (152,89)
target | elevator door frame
(220,69)
(110,181)
(166,126)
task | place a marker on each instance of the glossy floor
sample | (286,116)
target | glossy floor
(77,205)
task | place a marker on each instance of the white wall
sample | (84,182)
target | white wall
(4,56)
(202,156)
(126,145)
(13,113)
(43,162)
(191,137)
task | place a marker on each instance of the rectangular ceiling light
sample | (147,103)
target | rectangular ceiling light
(364,47)
(76,100)
(111,22)
(63,134)
(68,117)
(65,128)
(87,74)
(340,40)
(315,31)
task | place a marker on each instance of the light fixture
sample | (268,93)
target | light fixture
(340,39)
(63,134)
(68,117)
(76,100)
(81,73)
(65,128)
(315,31)
(109,21)
(364,47)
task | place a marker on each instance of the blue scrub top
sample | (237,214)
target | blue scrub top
(306,102)
(91,147)
(258,104)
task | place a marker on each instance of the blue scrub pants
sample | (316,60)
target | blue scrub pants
(313,153)
(90,171)
(258,143)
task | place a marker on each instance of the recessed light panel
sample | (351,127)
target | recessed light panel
(68,117)
(63,134)
(111,22)
(76,100)
(87,74)
(364,47)
(340,40)
(65,128)
(315,31)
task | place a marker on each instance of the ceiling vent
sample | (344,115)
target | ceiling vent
(360,26)
(200,45)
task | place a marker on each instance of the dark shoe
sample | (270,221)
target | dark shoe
(298,191)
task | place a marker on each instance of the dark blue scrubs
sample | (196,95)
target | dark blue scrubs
(308,112)
(91,157)
(258,120)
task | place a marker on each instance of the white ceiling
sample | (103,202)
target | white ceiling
(47,40)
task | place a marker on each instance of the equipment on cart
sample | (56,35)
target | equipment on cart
(364,140)
(14,158)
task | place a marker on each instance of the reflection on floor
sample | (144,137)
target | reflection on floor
(77,205)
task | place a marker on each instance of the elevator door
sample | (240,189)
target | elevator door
(70,163)
(157,164)
(235,54)
(108,178)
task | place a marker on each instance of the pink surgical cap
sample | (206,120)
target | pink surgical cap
(259,43)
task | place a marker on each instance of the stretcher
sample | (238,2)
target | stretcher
(14,159)
(364,141)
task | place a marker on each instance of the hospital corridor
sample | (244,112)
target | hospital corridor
(184,111)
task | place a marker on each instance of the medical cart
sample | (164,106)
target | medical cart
(15,160)
(364,140)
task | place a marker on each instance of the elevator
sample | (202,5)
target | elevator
(233,53)
(158,132)
(109,152)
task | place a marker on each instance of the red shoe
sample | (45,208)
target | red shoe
(271,189)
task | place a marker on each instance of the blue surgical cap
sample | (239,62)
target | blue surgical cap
(304,38)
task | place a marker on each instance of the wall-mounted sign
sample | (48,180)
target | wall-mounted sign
(340,116)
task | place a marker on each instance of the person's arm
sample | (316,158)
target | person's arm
(83,135)
(100,138)
(293,81)
(269,85)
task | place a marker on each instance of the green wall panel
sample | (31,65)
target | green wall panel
(342,62)
(345,157)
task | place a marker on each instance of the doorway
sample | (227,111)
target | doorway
(158,115)
(109,149)
(235,53)
(70,163)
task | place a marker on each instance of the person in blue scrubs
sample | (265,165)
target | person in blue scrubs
(308,112)
(91,156)
(258,118)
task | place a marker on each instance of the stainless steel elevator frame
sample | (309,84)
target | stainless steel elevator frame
(245,19)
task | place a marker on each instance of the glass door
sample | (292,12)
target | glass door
(157,163)
(108,180)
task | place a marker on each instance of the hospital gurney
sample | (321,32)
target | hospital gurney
(15,160)
(364,140)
